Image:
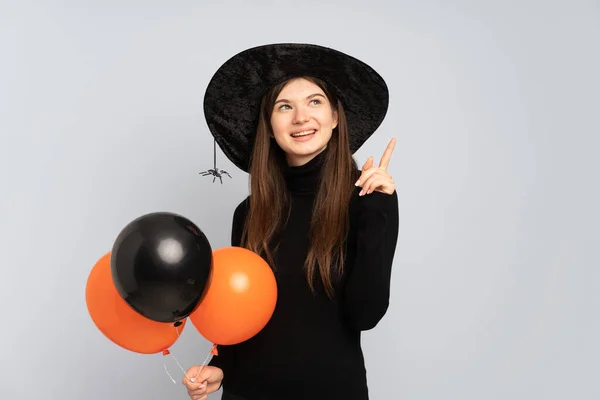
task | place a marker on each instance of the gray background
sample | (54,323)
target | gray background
(495,106)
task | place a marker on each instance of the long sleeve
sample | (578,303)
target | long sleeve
(226,358)
(367,291)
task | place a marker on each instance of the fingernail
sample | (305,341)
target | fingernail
(361,193)
(357,183)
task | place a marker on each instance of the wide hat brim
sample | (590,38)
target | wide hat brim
(233,96)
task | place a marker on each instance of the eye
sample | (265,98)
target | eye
(315,101)
(283,107)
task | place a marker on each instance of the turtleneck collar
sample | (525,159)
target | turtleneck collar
(304,179)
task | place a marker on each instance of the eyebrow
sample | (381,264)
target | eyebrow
(309,97)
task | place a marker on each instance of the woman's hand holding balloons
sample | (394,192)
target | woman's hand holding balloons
(200,383)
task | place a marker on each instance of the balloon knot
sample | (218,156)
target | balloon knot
(166,352)
(214,350)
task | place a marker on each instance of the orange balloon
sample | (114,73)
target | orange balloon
(240,297)
(118,321)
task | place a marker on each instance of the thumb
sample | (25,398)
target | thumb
(192,378)
(194,374)
(368,164)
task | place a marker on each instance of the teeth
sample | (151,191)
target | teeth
(304,133)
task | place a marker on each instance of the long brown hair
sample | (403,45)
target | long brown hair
(270,199)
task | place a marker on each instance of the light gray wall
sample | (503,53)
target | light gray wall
(495,107)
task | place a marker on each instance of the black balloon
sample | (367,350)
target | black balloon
(161,264)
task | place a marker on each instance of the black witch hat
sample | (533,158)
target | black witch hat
(233,96)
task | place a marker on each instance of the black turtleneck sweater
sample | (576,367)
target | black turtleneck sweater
(310,349)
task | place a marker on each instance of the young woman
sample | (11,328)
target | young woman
(292,115)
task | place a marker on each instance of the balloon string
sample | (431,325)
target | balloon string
(166,352)
(178,364)
(204,363)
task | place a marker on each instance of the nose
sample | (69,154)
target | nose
(301,116)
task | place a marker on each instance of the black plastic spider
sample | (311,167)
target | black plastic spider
(215,172)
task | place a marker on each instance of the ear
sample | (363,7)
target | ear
(335,119)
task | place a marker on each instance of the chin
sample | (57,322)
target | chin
(304,153)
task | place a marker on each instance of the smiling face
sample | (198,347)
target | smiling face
(302,121)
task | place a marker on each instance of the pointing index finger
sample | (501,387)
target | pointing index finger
(387,154)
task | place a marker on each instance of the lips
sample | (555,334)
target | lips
(305,132)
